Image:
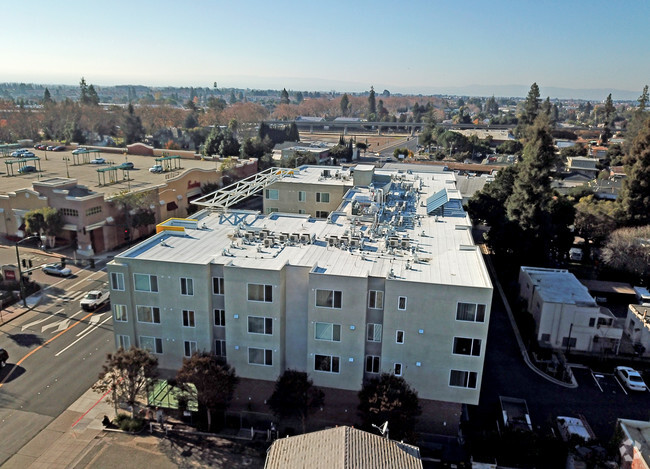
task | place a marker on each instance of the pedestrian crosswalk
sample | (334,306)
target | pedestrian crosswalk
(70,296)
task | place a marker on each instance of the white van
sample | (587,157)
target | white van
(575,254)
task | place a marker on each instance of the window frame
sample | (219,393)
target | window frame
(333,299)
(187,284)
(192,350)
(397,336)
(401,369)
(222,317)
(221,348)
(268,192)
(121,339)
(150,276)
(334,326)
(376,299)
(124,313)
(480,310)
(267,323)
(220,284)
(373,360)
(156,342)
(265,352)
(322,195)
(189,318)
(266,290)
(153,314)
(334,362)
(467,378)
(372,337)
(399,300)
(472,346)
(119,279)
(302,196)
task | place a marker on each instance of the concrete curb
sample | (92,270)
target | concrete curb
(520,341)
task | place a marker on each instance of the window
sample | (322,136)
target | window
(546,337)
(190,347)
(374,333)
(124,341)
(462,379)
(302,196)
(149,314)
(220,317)
(271,209)
(220,348)
(258,292)
(470,312)
(272,194)
(217,285)
(327,331)
(592,322)
(372,364)
(323,197)
(117,281)
(69,212)
(187,286)
(465,346)
(397,369)
(399,337)
(93,211)
(328,299)
(258,325)
(376,299)
(260,356)
(566,342)
(301,210)
(188,318)
(146,282)
(401,303)
(326,363)
(322,214)
(119,313)
(153,344)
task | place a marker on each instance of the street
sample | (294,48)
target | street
(55,353)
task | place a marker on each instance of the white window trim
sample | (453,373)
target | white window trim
(376,293)
(331,363)
(403,336)
(154,343)
(264,285)
(120,338)
(188,318)
(471,349)
(401,369)
(268,192)
(259,317)
(126,313)
(137,318)
(405,303)
(191,351)
(463,387)
(222,348)
(248,358)
(188,281)
(333,298)
(222,285)
(333,326)
(374,326)
(222,312)
(378,368)
(475,312)
(302,196)
(119,275)
(146,291)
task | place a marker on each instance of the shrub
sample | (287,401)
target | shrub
(129,424)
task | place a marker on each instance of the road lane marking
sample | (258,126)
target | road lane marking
(84,336)
(62,325)
(27,326)
(94,320)
(81,281)
(54,324)
(29,354)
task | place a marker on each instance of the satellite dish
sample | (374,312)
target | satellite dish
(383,429)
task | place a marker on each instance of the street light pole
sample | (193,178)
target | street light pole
(21,284)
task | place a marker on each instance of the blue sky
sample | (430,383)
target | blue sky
(413,46)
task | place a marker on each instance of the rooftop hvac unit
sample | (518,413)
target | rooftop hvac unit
(406,244)
(333,241)
(283,237)
(393,242)
(268,242)
(345,240)
(304,238)
(294,237)
(355,242)
(250,236)
(326,173)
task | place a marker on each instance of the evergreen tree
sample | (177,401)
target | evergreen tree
(491,106)
(531,106)
(635,196)
(284,96)
(610,110)
(295,396)
(83,91)
(133,128)
(372,105)
(299,97)
(93,97)
(47,98)
(293,135)
(344,104)
(546,107)
(643,99)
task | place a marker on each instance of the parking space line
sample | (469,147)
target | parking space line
(596,380)
(619,383)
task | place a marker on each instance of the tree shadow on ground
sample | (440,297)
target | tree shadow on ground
(9,372)
(26,340)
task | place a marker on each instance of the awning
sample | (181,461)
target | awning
(193,192)
(70,227)
(94,226)
(171,206)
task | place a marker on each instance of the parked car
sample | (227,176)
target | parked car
(50,147)
(59,148)
(40,146)
(98,161)
(27,154)
(18,153)
(94,299)
(126,165)
(631,378)
(56,269)
(79,151)
(157,168)
(4,356)
(27,169)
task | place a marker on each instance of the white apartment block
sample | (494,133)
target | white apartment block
(566,315)
(388,280)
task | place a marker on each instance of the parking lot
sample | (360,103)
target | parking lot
(61,164)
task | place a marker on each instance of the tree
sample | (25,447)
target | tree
(128,375)
(344,104)
(299,97)
(627,251)
(491,106)
(83,91)
(595,219)
(133,128)
(372,105)
(295,396)
(47,97)
(389,398)
(284,96)
(510,147)
(93,97)
(531,106)
(610,110)
(635,196)
(213,380)
(643,99)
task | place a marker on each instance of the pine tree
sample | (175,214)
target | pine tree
(635,196)
(47,98)
(83,91)
(531,106)
(284,96)
(345,104)
(372,105)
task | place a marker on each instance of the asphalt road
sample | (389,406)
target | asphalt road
(55,354)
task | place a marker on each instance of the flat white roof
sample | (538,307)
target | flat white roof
(559,286)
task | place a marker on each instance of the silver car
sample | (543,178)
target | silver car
(56,269)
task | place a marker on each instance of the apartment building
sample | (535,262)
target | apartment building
(388,281)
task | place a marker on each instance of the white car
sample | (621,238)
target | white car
(156,169)
(94,299)
(631,378)
(79,151)
(56,269)
(98,161)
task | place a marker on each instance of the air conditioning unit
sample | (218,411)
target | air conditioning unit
(393,242)
(269,242)
(355,242)
(250,236)
(294,237)
(283,238)
(333,241)
(305,238)
(406,244)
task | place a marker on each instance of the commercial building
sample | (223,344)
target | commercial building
(388,280)
(566,315)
